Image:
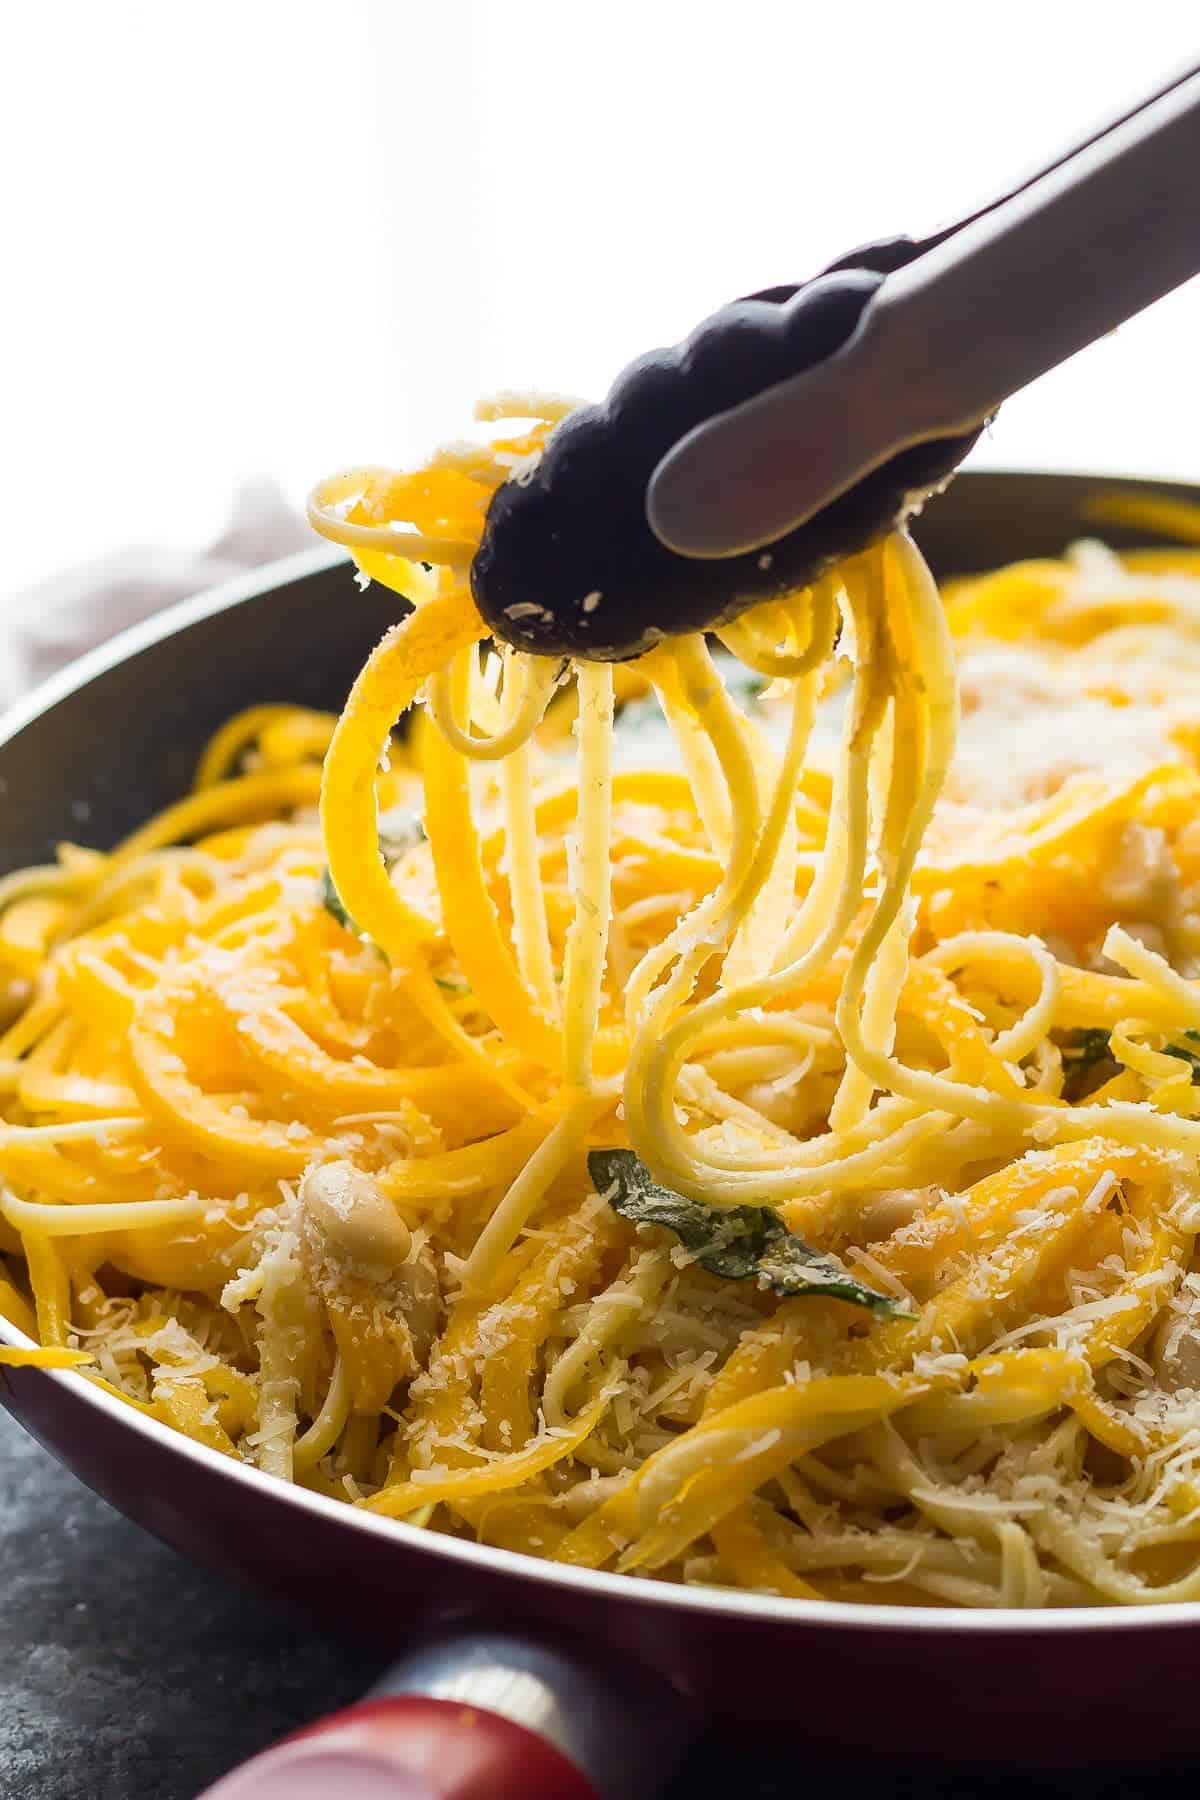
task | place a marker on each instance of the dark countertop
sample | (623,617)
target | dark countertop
(128,1674)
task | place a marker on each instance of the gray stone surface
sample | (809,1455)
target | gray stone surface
(128,1674)
(125,1672)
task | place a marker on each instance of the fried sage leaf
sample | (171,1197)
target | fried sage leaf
(1185,1054)
(399,830)
(1087,1062)
(738,1243)
(331,900)
(1085,1054)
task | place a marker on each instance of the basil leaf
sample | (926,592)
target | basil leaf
(738,1243)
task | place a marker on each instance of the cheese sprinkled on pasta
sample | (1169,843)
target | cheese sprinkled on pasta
(883,1028)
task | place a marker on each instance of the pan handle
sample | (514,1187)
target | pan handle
(482,1717)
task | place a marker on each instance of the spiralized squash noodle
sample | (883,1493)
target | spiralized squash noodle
(297,1108)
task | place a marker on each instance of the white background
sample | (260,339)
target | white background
(275,236)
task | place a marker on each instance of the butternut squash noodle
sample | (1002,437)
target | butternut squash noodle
(685,1117)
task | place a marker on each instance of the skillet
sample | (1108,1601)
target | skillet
(612,1671)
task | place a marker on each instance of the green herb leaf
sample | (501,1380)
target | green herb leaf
(738,1243)
(745,685)
(643,714)
(1085,1048)
(1082,1054)
(331,900)
(399,830)
(1184,1054)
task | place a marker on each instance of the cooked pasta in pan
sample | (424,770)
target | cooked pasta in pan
(716,1116)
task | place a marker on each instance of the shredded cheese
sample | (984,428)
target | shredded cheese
(295,1130)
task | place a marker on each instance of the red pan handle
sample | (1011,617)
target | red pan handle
(484,1717)
(409,1748)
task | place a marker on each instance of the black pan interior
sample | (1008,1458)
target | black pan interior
(124,744)
(114,751)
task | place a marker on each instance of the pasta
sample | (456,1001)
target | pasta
(704,1117)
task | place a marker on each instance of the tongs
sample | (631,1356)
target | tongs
(979,310)
(795,427)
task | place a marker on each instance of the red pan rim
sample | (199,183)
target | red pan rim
(819,1615)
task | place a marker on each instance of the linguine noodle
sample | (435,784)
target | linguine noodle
(303,1114)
